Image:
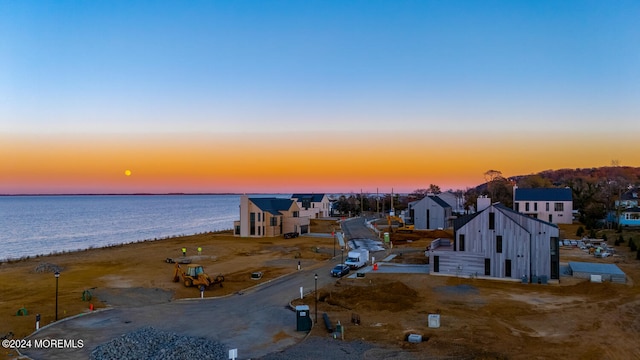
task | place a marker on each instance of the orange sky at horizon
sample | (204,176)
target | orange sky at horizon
(289,162)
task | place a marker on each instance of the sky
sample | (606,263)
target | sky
(311,96)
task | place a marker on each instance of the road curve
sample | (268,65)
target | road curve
(246,321)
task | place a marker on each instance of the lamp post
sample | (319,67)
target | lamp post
(334,243)
(316,295)
(57,275)
(342,255)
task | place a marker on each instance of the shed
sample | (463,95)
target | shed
(609,272)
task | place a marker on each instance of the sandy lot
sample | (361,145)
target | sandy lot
(478,318)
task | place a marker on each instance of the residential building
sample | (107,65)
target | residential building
(630,217)
(456,201)
(269,217)
(498,242)
(431,212)
(554,205)
(313,205)
(628,199)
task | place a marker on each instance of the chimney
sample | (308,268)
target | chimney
(483,203)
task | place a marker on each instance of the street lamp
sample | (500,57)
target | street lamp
(334,243)
(57,275)
(316,293)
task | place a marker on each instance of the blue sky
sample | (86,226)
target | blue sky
(447,71)
(249,65)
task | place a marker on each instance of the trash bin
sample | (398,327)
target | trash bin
(303,318)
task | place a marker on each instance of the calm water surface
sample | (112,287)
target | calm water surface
(36,225)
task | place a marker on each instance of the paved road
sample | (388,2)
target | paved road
(247,322)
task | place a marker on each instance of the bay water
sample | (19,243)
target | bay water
(40,225)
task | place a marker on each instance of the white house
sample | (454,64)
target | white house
(497,242)
(554,205)
(269,217)
(313,205)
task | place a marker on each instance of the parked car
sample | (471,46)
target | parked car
(290,235)
(340,270)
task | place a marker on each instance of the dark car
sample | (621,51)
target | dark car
(340,270)
(290,235)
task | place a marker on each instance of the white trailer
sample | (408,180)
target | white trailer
(357,258)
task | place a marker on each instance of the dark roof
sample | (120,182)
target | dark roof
(543,194)
(515,213)
(461,221)
(439,201)
(630,195)
(272,205)
(312,197)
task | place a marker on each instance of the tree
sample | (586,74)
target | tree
(434,189)
(534,181)
(499,189)
(419,193)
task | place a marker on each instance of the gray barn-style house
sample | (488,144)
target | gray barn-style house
(431,212)
(498,242)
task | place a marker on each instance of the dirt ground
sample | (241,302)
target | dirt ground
(482,319)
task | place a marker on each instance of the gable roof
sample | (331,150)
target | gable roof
(510,213)
(439,201)
(312,197)
(462,221)
(513,214)
(272,205)
(543,194)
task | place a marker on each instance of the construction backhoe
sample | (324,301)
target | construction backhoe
(195,276)
(402,227)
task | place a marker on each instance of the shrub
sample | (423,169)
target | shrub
(580,231)
(604,237)
(638,255)
(592,234)
(632,245)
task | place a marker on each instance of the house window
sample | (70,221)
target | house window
(274,221)
(306,203)
(259,217)
(547,207)
(492,221)
(252,224)
(487,267)
(296,214)
(558,206)
(461,241)
(526,206)
(507,268)
(518,207)
(499,244)
(237,229)
(535,206)
(259,228)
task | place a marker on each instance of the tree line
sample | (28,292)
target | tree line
(594,190)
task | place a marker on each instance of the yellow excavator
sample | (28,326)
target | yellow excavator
(195,276)
(402,227)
